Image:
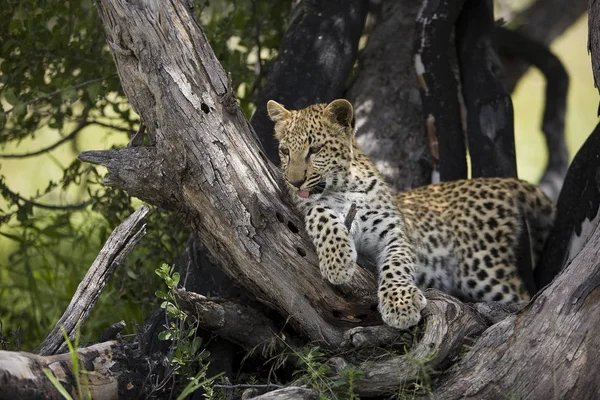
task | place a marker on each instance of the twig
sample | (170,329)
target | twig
(70,136)
(77,206)
(117,128)
(248,386)
(350,216)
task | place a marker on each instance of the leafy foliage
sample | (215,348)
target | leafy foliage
(57,76)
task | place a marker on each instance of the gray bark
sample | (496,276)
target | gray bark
(385,94)
(290,393)
(22,376)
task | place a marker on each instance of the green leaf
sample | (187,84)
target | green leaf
(196,343)
(19,110)
(61,389)
(176,278)
(11,97)
(165,335)
(161,295)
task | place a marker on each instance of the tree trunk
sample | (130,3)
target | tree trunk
(207,165)
(22,376)
(385,94)
(489,122)
(439,86)
(551,350)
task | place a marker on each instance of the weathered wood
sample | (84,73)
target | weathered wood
(385,95)
(549,350)
(240,324)
(209,167)
(449,325)
(289,393)
(22,376)
(118,246)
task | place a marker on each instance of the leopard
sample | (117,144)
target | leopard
(461,237)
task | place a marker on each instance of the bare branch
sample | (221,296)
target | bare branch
(118,246)
(64,139)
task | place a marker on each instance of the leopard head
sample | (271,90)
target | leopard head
(315,144)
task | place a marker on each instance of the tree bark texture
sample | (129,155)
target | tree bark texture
(439,87)
(207,165)
(490,122)
(315,58)
(385,94)
(543,21)
(22,376)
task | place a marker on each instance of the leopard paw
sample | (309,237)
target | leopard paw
(338,265)
(400,305)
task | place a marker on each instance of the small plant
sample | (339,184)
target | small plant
(347,380)
(185,352)
(315,373)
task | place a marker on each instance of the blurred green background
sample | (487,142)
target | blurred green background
(45,253)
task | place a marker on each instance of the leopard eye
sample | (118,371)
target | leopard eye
(284,150)
(315,149)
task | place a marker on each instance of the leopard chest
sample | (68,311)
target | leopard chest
(373,216)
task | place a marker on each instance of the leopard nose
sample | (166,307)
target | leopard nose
(297,182)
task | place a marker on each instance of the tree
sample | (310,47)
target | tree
(177,173)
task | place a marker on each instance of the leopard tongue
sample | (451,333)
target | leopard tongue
(303,193)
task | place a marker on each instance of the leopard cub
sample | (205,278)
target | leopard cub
(460,237)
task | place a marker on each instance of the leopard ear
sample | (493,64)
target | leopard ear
(340,111)
(277,112)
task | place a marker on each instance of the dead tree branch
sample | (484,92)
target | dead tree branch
(118,246)
(23,378)
(555,105)
(439,86)
(490,126)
